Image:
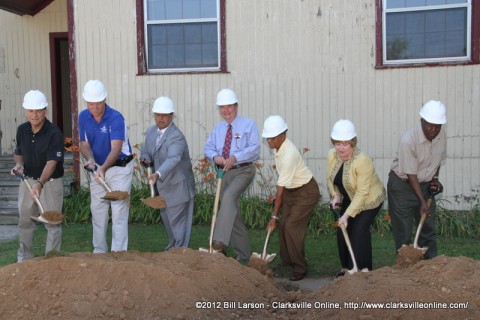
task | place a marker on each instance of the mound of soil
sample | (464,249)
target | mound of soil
(188,284)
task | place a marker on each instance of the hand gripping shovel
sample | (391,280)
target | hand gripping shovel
(347,241)
(110,195)
(431,194)
(220,173)
(156,202)
(50,217)
(265,257)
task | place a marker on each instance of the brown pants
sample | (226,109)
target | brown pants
(297,208)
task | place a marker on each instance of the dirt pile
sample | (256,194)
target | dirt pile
(188,284)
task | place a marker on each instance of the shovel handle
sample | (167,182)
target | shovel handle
(431,195)
(99,178)
(264,254)
(349,245)
(150,182)
(29,187)
(347,241)
(219,171)
(215,210)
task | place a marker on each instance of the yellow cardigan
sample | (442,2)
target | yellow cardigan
(363,186)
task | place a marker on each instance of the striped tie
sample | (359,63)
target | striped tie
(228,143)
(159,136)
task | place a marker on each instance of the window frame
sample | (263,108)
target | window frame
(142,55)
(473,54)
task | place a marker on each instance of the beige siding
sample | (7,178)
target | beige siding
(310,61)
(25,63)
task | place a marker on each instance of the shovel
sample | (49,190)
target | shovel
(50,217)
(156,202)
(220,173)
(347,241)
(265,257)
(431,194)
(110,195)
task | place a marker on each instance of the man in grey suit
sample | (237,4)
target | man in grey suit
(166,146)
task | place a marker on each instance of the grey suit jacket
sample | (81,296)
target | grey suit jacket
(171,158)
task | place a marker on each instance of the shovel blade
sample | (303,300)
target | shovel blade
(208,250)
(157,202)
(41,219)
(267,258)
(352,271)
(270,257)
(423,249)
(256,255)
(116,195)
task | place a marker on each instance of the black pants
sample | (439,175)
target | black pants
(358,230)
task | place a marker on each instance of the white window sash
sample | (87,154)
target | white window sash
(467,57)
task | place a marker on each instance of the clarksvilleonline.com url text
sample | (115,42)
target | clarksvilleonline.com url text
(405,305)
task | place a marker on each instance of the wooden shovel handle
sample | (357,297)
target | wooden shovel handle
(150,182)
(104,184)
(86,167)
(215,209)
(264,254)
(35,198)
(349,245)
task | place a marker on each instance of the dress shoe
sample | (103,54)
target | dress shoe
(220,248)
(297,276)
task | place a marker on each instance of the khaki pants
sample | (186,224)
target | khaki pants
(51,198)
(229,225)
(117,178)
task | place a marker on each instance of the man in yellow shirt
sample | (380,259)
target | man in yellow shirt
(297,195)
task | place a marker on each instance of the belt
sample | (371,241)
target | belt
(392,173)
(238,165)
(124,161)
(51,179)
(295,189)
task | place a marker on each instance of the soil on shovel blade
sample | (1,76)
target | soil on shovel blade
(116,195)
(53,216)
(189,284)
(408,255)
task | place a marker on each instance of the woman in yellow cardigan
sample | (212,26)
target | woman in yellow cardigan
(356,189)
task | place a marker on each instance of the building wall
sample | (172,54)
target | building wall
(310,61)
(25,63)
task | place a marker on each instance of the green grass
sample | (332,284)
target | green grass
(321,249)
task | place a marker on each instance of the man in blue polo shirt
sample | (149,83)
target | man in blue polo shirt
(39,155)
(105,146)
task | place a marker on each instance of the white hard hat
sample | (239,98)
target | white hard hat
(94,91)
(273,126)
(343,130)
(226,97)
(163,105)
(434,112)
(34,100)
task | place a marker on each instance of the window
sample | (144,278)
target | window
(426,32)
(181,36)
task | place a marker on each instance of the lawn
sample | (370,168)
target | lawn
(321,250)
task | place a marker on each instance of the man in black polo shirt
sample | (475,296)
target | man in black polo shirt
(39,155)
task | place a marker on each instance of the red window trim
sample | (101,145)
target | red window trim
(141,53)
(475,41)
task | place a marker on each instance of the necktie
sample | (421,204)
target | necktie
(159,136)
(228,143)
